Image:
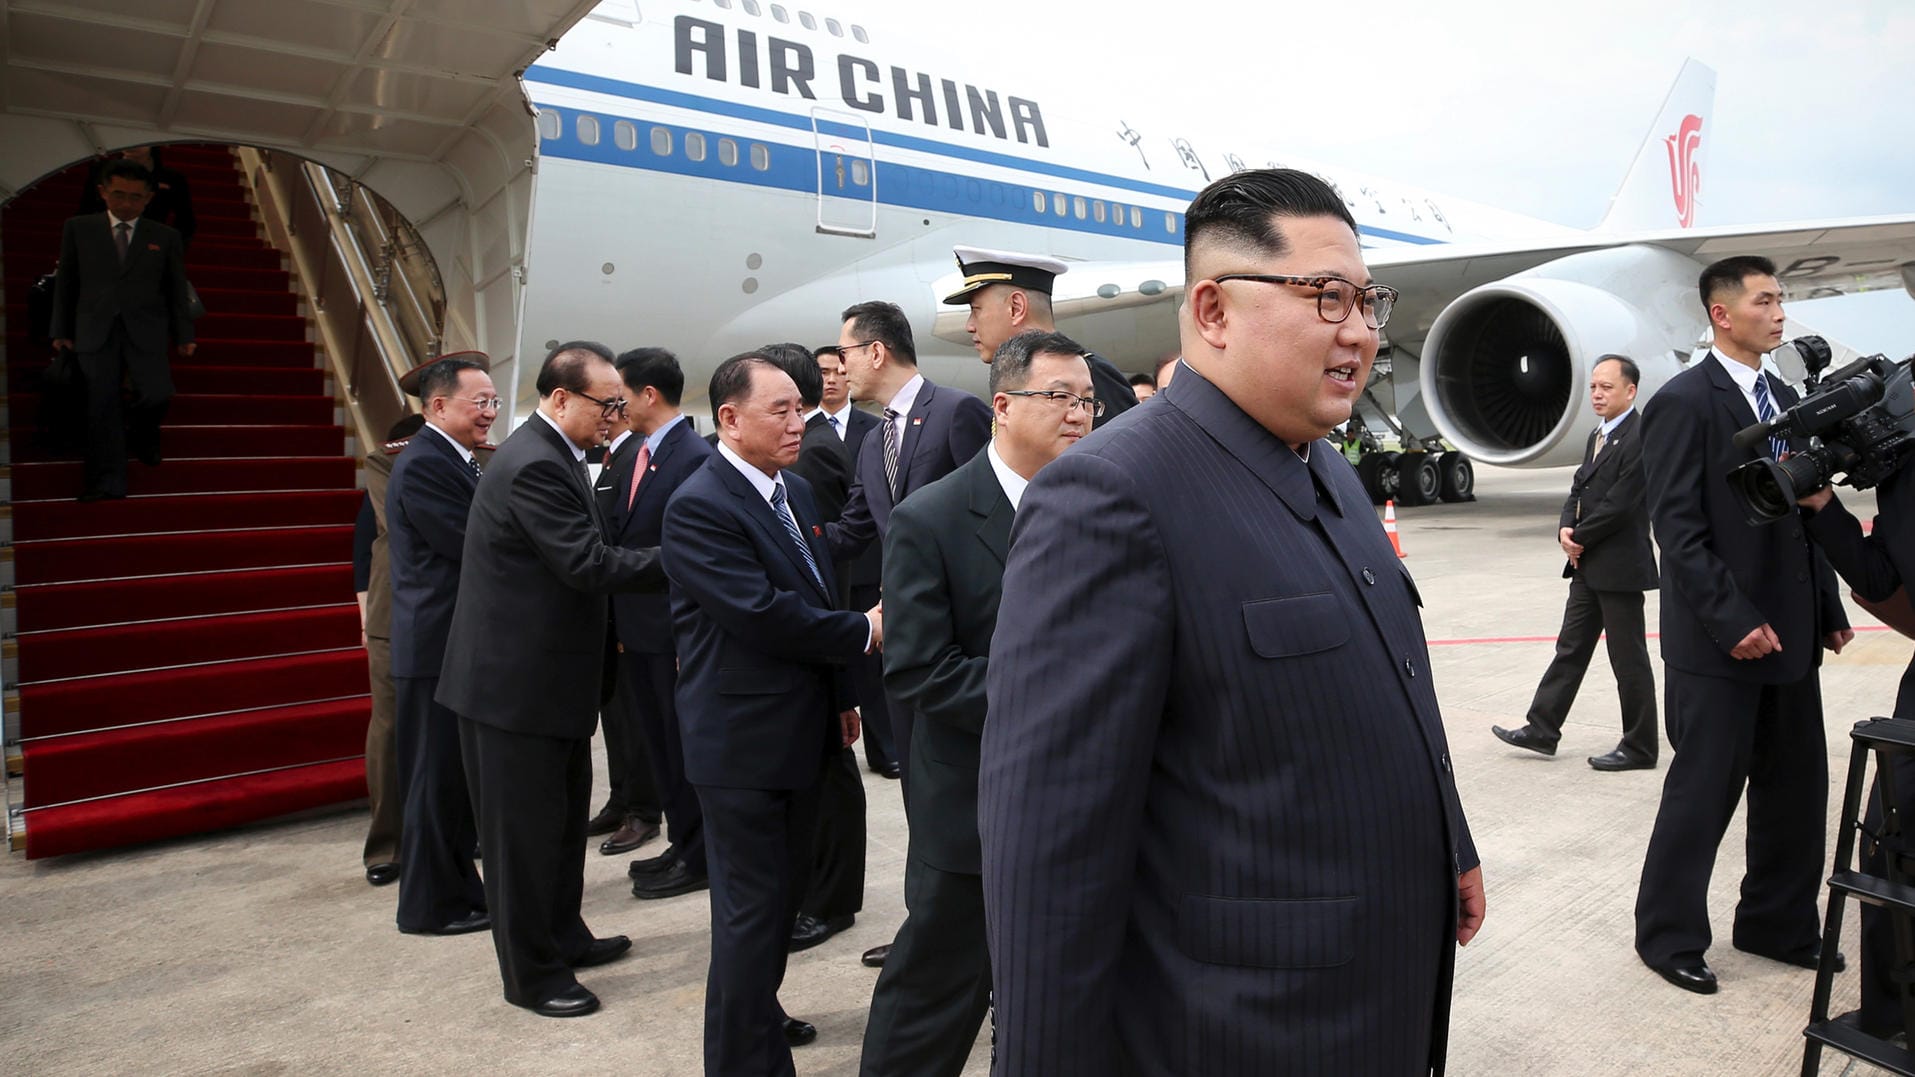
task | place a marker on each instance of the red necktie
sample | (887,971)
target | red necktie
(638,472)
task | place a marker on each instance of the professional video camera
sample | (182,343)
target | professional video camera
(1861,424)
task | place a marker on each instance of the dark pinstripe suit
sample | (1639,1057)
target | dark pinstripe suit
(1220,831)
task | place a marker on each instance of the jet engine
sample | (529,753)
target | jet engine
(1505,367)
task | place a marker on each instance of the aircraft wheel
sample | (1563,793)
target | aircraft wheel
(1421,482)
(1458,477)
(1369,471)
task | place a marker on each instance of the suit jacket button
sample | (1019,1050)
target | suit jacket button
(1369,577)
(1409,667)
(1445,762)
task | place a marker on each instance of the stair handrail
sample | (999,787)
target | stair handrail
(405,278)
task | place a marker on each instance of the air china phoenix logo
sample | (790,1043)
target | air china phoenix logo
(1684,175)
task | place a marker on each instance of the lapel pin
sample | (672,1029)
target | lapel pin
(817,532)
(152,246)
(917,420)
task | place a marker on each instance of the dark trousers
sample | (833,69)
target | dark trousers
(1586,615)
(437,880)
(867,681)
(1881,995)
(628,762)
(384,791)
(1723,735)
(837,860)
(758,845)
(654,680)
(935,989)
(114,427)
(532,796)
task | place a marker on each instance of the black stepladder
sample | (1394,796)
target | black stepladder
(1893,891)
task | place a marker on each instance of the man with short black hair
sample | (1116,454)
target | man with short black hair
(1746,614)
(1144,386)
(119,294)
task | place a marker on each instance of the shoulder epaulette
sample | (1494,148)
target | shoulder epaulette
(394,448)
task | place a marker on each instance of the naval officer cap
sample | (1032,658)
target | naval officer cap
(982,268)
(409,381)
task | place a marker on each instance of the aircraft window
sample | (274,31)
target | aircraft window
(805,20)
(1077,207)
(625,135)
(1170,222)
(1097,211)
(727,152)
(662,141)
(778,12)
(836,29)
(695,145)
(760,157)
(858,32)
(1060,204)
(750,6)
(973,190)
(548,123)
(587,127)
(1136,217)
(1037,201)
(860,173)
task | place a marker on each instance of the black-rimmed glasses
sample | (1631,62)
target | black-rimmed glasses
(1336,297)
(607,408)
(1070,400)
(844,348)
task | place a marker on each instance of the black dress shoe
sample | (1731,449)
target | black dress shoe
(652,865)
(887,770)
(1621,760)
(1697,977)
(809,931)
(634,833)
(381,874)
(608,819)
(470,922)
(874,957)
(603,952)
(1807,959)
(574,1001)
(149,457)
(1523,737)
(673,881)
(798,1033)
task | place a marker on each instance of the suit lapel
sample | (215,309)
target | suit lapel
(761,515)
(913,427)
(580,480)
(1729,394)
(991,507)
(438,441)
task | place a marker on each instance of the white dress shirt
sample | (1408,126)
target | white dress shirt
(1744,379)
(765,484)
(577,453)
(1011,481)
(464,453)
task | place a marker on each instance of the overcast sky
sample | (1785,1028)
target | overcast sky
(1535,108)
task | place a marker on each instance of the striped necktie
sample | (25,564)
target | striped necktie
(797,536)
(1765,411)
(891,452)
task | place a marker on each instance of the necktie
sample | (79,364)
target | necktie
(638,472)
(122,238)
(1765,411)
(891,451)
(836,427)
(797,536)
(1601,440)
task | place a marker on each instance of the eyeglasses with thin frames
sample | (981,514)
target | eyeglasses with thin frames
(1070,400)
(486,403)
(1336,297)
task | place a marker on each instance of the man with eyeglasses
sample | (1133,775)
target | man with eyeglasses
(522,671)
(1220,832)
(943,567)
(427,500)
(1008,293)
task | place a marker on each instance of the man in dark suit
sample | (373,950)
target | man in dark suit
(1604,531)
(119,294)
(1746,612)
(760,699)
(664,452)
(943,567)
(632,811)
(372,586)
(1010,293)
(1220,830)
(522,672)
(427,499)
(859,576)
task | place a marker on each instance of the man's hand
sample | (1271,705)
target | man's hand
(1571,548)
(1757,644)
(1818,500)
(62,345)
(187,349)
(1469,904)
(1839,639)
(876,616)
(848,721)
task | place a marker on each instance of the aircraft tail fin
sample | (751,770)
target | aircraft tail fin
(1664,186)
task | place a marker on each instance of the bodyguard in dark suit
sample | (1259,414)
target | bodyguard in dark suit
(665,452)
(427,500)
(1746,612)
(1604,531)
(119,294)
(762,706)
(522,672)
(943,566)
(1220,830)
(372,576)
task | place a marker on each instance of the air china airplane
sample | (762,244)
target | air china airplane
(719,174)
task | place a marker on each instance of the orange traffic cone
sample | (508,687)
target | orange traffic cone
(1389,528)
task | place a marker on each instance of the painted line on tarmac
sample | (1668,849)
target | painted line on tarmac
(1552,639)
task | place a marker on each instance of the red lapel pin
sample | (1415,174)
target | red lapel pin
(152,246)
(817,531)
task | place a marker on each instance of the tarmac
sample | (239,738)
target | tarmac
(262,951)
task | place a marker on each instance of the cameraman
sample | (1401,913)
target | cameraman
(1875,565)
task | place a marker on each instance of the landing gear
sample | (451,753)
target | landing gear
(1458,477)
(1425,473)
(1421,480)
(1377,470)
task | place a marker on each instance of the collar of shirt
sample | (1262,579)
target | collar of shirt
(843,415)
(1609,425)
(464,453)
(1744,379)
(760,481)
(907,396)
(616,442)
(1011,481)
(113,222)
(652,439)
(577,453)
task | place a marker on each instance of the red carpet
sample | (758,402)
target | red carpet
(188,657)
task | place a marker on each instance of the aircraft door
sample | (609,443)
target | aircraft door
(847,174)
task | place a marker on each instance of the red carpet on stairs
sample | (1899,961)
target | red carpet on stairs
(188,658)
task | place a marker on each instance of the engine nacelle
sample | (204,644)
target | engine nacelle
(1505,368)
